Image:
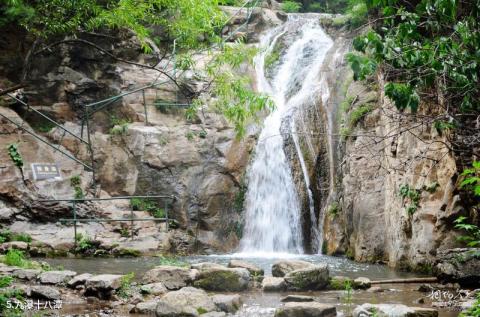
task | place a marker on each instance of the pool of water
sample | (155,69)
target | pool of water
(260,304)
(337,265)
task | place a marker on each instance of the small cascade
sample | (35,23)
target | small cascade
(273,212)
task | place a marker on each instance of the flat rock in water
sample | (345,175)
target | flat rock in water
(308,279)
(361,283)
(26,274)
(44,292)
(394,310)
(282,268)
(252,268)
(311,309)
(172,277)
(56,277)
(186,302)
(273,284)
(79,280)
(227,303)
(223,280)
(297,298)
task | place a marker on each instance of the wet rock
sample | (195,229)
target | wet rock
(396,310)
(172,277)
(297,298)
(148,307)
(273,284)
(18,245)
(375,289)
(56,277)
(186,302)
(44,292)
(7,269)
(26,274)
(459,265)
(154,289)
(312,309)
(223,280)
(79,280)
(207,266)
(361,283)
(227,303)
(252,268)
(103,285)
(313,278)
(281,268)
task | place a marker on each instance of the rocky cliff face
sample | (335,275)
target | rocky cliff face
(200,162)
(383,181)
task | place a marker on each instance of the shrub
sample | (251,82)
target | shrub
(125,290)
(473,311)
(472,238)
(413,195)
(84,243)
(16,258)
(143,204)
(358,113)
(15,155)
(21,237)
(291,6)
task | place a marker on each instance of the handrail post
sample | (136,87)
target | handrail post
(166,213)
(90,147)
(74,227)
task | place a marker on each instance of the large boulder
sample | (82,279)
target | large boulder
(146,308)
(313,278)
(252,268)
(306,309)
(393,310)
(44,292)
(186,302)
(223,280)
(103,285)
(282,268)
(79,280)
(361,283)
(273,284)
(227,303)
(172,277)
(56,277)
(459,265)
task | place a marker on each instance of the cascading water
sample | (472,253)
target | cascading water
(273,213)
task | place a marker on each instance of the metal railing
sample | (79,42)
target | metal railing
(131,219)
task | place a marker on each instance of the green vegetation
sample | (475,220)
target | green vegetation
(6,295)
(272,58)
(151,206)
(75,183)
(291,6)
(119,126)
(419,43)
(15,155)
(334,209)
(348,296)
(171,261)
(184,20)
(17,258)
(84,244)
(471,179)
(359,113)
(413,195)
(201,310)
(472,238)
(7,236)
(125,290)
(474,311)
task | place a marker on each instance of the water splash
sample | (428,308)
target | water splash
(273,212)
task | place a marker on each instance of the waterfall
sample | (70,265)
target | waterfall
(273,212)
